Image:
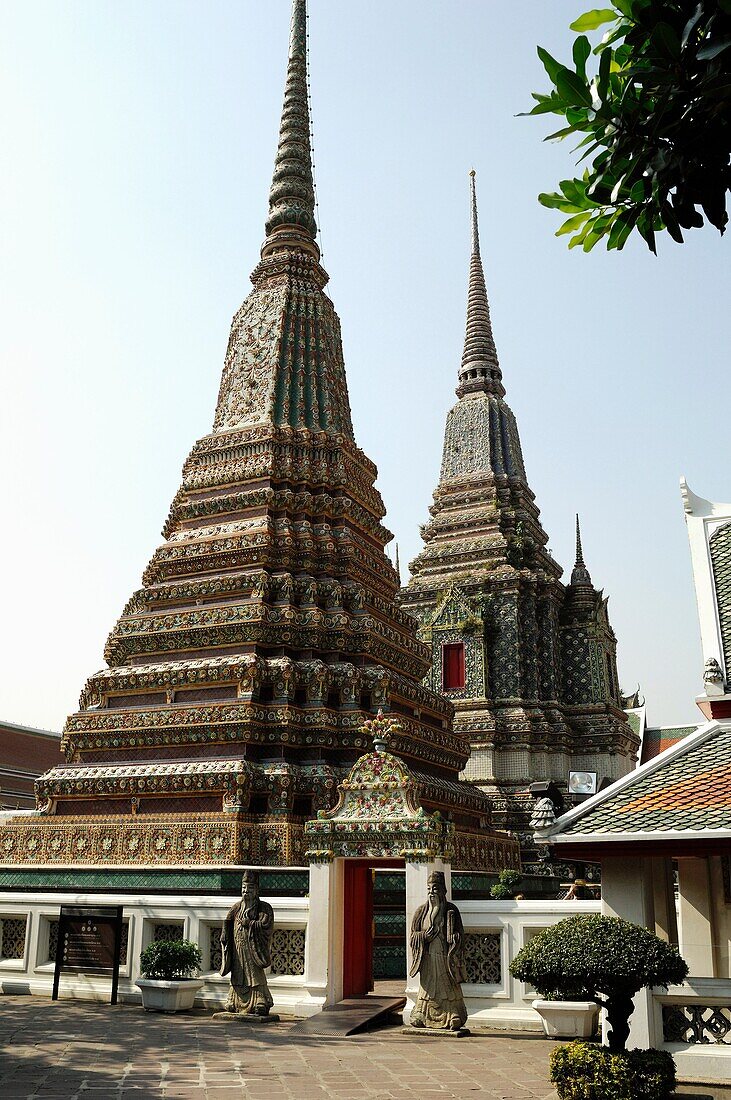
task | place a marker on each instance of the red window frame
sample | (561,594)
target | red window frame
(453,668)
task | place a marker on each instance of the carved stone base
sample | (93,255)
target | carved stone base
(435,1032)
(247,1018)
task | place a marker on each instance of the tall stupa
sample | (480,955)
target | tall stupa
(266,630)
(528,662)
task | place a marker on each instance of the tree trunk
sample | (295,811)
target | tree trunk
(619,1010)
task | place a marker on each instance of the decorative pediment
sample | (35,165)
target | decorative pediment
(455,611)
(378,814)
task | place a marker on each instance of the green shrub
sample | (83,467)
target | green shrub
(170,960)
(508,882)
(582,1071)
(602,959)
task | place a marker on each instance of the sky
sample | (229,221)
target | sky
(136,148)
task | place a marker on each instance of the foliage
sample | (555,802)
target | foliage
(170,960)
(583,1071)
(603,959)
(504,889)
(656,114)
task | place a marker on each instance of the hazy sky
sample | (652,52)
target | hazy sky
(137,142)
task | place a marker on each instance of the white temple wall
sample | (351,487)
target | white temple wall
(200,918)
(496,930)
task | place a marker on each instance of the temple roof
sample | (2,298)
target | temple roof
(684,790)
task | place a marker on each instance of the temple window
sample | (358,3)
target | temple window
(453,666)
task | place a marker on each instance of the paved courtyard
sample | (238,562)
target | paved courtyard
(66,1049)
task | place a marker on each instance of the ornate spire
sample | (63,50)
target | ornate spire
(580,574)
(397,565)
(480,370)
(291,222)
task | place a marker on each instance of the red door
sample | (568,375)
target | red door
(357,929)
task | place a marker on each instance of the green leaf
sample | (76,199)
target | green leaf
(638,192)
(559,135)
(602,83)
(644,224)
(573,88)
(590,240)
(579,238)
(558,202)
(542,109)
(580,53)
(550,64)
(575,192)
(620,231)
(671,222)
(590,20)
(713,49)
(572,223)
(691,24)
(666,40)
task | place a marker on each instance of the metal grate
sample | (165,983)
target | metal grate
(215,953)
(482,961)
(167,932)
(697,1023)
(288,951)
(12,937)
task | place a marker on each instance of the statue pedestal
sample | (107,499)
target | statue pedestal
(435,1032)
(246,1018)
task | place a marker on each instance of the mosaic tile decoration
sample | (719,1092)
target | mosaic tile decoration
(389,961)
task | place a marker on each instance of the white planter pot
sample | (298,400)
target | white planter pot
(568,1019)
(161,996)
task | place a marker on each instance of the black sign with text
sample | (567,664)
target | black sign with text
(90,940)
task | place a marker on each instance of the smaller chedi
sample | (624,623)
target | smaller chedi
(246,940)
(437,939)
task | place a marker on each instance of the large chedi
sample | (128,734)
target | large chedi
(266,631)
(530,664)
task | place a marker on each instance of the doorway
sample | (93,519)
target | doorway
(374,925)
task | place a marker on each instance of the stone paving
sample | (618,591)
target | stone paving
(66,1049)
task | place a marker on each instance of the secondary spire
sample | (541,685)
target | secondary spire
(291,222)
(580,574)
(480,370)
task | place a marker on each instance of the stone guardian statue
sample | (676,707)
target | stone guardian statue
(437,940)
(246,939)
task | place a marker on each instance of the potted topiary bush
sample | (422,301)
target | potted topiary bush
(605,961)
(506,886)
(168,967)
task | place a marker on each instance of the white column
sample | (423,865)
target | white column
(666,924)
(627,892)
(417,875)
(324,955)
(697,933)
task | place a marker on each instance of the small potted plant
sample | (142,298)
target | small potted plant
(168,967)
(506,886)
(605,961)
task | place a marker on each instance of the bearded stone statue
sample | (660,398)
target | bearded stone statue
(246,939)
(437,938)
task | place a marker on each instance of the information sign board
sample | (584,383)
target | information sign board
(90,940)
